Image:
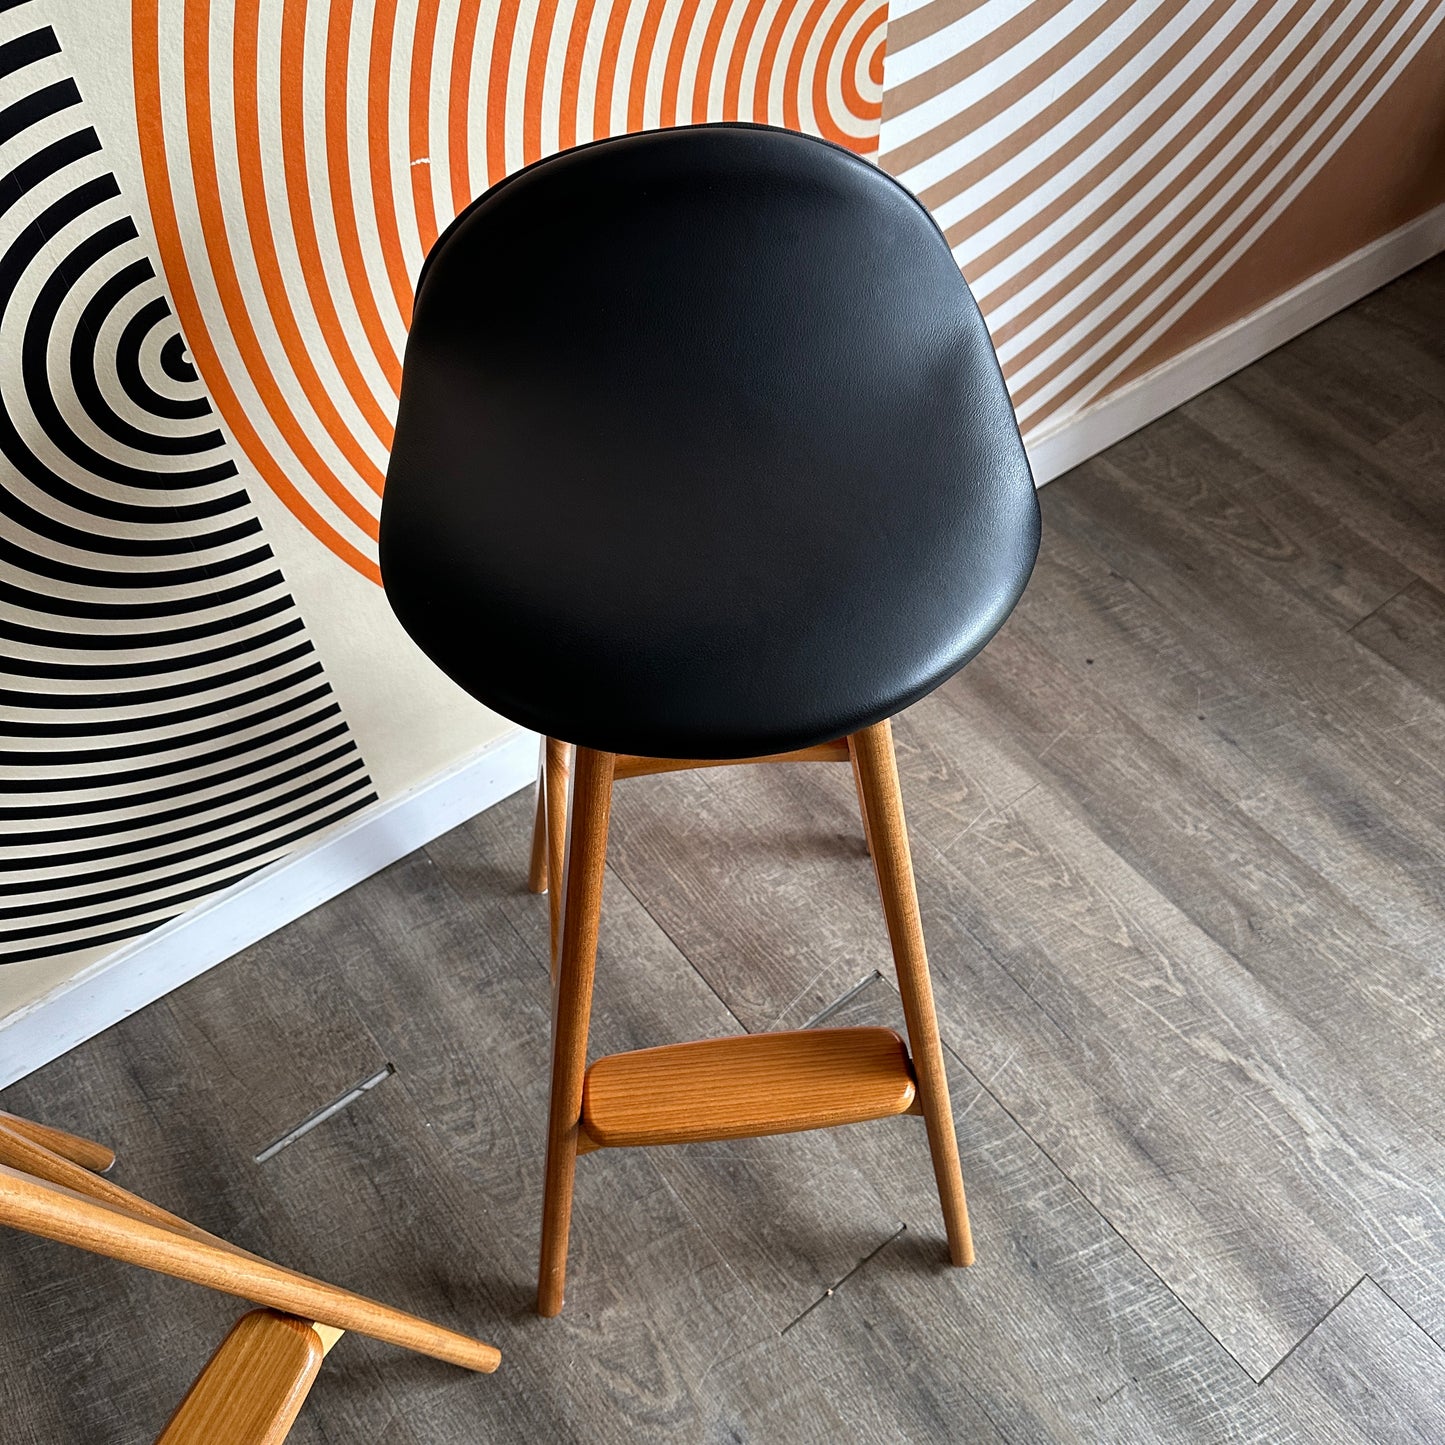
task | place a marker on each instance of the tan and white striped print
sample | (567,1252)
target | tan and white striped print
(1101,166)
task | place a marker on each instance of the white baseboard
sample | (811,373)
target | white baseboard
(178,951)
(1062,445)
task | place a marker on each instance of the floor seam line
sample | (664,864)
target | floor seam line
(847,996)
(1263,1379)
(681,951)
(1360,621)
(1429,1334)
(843,1279)
(1108,1223)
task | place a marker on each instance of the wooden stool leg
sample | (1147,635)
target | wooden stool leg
(556,759)
(862,804)
(85,1152)
(587,819)
(537,864)
(106,1220)
(883,808)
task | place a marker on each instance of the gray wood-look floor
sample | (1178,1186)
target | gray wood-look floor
(1180,841)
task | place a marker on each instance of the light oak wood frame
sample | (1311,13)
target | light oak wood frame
(574,959)
(48,1187)
(576,830)
(254,1386)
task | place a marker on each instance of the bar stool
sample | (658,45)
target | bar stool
(704,455)
(52,1185)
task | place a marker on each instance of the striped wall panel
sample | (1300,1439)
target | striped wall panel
(1099,166)
(165,725)
(1102,169)
(301,159)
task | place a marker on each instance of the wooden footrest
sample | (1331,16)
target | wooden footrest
(739,1088)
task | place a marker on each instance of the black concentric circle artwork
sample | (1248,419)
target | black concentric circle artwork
(165,725)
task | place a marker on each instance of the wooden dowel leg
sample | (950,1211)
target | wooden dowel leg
(588,815)
(877,771)
(556,761)
(68,1217)
(862,805)
(85,1152)
(537,864)
(18,1152)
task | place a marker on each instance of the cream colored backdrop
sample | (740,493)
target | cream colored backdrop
(211,212)
(229,200)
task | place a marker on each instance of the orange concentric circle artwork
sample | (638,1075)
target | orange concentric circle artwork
(301,157)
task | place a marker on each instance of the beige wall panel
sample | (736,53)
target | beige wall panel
(1390,171)
(285,166)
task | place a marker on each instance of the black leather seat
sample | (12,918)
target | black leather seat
(703,449)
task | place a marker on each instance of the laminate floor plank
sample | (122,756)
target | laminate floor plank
(1395,443)
(1169,809)
(1367,1376)
(1158,542)
(1415,453)
(1318,711)
(1414,303)
(1367,385)
(1301,449)
(1234,727)
(1373,352)
(1241,509)
(1409,631)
